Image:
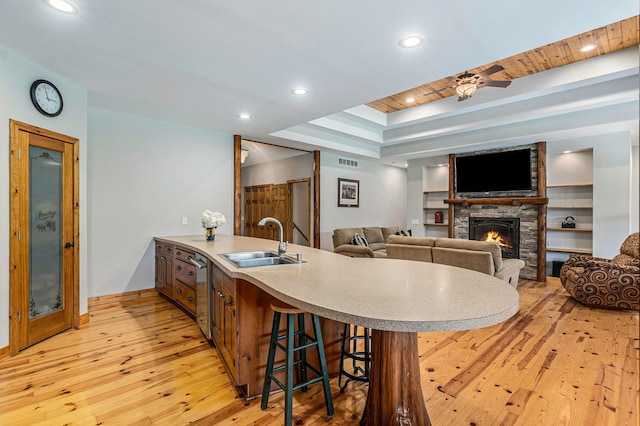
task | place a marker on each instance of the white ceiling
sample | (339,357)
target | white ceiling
(202,63)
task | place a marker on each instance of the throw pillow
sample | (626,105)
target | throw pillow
(403,233)
(359,240)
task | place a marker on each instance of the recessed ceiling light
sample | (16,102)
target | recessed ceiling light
(62,6)
(566,152)
(587,48)
(245,116)
(410,100)
(300,91)
(413,40)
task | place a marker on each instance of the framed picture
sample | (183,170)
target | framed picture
(348,193)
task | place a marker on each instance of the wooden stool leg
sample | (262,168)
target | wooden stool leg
(323,365)
(290,359)
(270,359)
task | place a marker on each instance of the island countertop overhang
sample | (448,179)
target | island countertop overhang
(382,294)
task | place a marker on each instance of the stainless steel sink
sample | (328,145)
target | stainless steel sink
(257,258)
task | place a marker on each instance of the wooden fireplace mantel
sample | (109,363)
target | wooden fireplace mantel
(502,201)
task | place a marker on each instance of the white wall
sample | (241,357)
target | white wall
(144,177)
(383,197)
(634,206)
(16,76)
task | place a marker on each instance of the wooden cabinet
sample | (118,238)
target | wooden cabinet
(184,281)
(224,325)
(164,268)
(175,275)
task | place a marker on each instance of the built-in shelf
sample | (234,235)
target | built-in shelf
(436,190)
(442,207)
(576,185)
(435,224)
(570,207)
(502,201)
(568,250)
(571,229)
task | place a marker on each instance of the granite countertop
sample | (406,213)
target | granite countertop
(382,294)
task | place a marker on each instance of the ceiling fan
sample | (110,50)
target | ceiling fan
(467,83)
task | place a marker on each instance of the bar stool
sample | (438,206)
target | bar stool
(356,347)
(304,341)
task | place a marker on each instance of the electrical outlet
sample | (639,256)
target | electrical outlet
(415,221)
(185,220)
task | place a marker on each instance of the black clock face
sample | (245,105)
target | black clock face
(46,98)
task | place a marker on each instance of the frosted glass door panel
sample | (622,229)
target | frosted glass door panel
(45,242)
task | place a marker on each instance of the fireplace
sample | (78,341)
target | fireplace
(503,230)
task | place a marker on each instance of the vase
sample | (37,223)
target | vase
(211,234)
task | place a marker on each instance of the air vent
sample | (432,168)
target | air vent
(347,162)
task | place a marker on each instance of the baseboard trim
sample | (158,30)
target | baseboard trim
(112,298)
(83,319)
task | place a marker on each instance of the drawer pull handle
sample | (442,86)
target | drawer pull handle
(178,253)
(190,299)
(178,291)
(221,294)
(190,273)
(163,258)
(178,267)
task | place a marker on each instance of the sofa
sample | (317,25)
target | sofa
(376,241)
(604,283)
(481,256)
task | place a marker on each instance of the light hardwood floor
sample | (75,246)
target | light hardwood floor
(142,361)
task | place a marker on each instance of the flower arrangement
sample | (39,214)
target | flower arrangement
(212,219)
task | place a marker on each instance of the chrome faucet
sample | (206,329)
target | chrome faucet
(282,247)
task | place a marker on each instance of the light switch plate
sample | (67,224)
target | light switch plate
(415,221)
(185,220)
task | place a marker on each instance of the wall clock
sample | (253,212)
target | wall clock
(46,98)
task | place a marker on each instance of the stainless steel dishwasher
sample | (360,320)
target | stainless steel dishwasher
(203,294)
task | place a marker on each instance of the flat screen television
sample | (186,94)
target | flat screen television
(502,171)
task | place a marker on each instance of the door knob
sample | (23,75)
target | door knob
(68,245)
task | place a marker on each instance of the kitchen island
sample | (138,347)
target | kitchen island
(395,298)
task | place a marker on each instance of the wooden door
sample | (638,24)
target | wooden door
(257,200)
(280,211)
(44,222)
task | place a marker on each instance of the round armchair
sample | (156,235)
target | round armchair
(604,283)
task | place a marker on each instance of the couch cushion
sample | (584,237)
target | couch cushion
(476,260)
(374,236)
(625,259)
(389,230)
(410,248)
(344,235)
(493,248)
(631,246)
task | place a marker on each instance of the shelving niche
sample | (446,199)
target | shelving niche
(570,193)
(435,184)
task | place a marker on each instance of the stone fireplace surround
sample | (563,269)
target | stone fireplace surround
(528,206)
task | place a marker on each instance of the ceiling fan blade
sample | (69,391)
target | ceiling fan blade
(436,91)
(491,70)
(494,83)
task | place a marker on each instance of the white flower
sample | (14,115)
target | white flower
(212,219)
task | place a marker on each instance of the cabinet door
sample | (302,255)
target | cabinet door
(164,268)
(217,302)
(230,331)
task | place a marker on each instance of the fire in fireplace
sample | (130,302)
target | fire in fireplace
(503,230)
